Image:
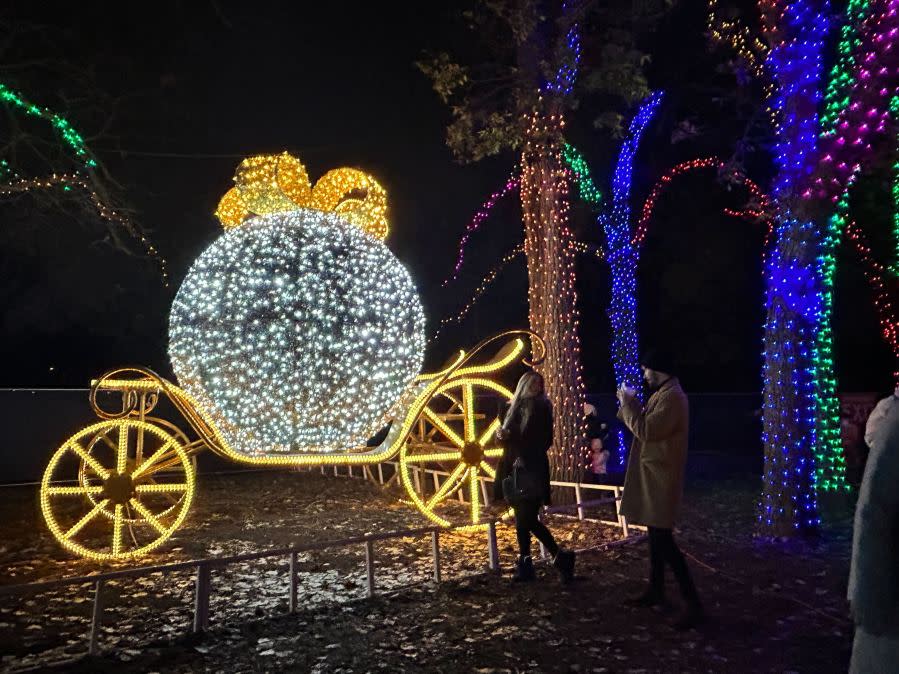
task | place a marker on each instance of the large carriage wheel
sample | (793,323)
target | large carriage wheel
(451,436)
(117,489)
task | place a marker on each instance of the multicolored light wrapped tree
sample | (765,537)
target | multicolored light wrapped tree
(817,157)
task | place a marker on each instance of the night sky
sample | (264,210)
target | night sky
(205,84)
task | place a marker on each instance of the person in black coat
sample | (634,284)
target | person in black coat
(527,434)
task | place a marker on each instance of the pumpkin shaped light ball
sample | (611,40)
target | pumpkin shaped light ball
(298,330)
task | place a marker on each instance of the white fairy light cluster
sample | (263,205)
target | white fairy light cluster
(298,332)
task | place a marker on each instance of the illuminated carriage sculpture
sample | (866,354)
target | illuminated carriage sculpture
(295,336)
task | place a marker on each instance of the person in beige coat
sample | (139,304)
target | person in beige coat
(874,574)
(654,481)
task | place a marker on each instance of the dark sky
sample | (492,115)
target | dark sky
(205,84)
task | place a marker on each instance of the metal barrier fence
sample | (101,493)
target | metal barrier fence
(204,567)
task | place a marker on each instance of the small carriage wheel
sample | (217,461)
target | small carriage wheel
(135,492)
(450,433)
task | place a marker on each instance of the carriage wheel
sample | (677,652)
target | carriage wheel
(128,474)
(452,436)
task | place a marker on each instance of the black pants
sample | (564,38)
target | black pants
(662,550)
(527,523)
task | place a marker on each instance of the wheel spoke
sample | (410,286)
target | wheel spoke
(89,460)
(444,428)
(73,491)
(122,452)
(160,488)
(80,524)
(118,522)
(448,486)
(491,430)
(443,456)
(474,485)
(109,443)
(153,458)
(494,453)
(147,515)
(468,411)
(488,470)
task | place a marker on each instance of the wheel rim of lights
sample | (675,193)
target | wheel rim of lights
(461,441)
(133,488)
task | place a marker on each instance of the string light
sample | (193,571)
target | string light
(580,170)
(622,255)
(66,131)
(512,183)
(479,291)
(894,265)
(587,191)
(757,197)
(875,274)
(566,75)
(297,332)
(842,76)
(84,158)
(796,33)
(491,276)
(69,181)
(552,294)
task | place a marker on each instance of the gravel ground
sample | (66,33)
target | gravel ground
(774,607)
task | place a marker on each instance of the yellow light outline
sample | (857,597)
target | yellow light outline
(48,491)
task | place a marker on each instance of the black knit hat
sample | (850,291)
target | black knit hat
(660,360)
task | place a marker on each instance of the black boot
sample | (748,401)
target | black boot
(564,563)
(524,570)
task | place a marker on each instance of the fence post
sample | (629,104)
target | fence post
(323,470)
(350,471)
(416,478)
(380,474)
(370,567)
(622,520)
(577,496)
(492,547)
(96,616)
(485,493)
(542,547)
(293,582)
(435,553)
(201,599)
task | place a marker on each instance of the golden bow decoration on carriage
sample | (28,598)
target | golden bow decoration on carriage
(275,183)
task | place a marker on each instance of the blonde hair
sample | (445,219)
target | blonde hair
(523,400)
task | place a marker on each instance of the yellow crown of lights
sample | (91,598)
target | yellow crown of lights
(275,183)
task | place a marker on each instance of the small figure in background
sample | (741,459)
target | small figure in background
(599,454)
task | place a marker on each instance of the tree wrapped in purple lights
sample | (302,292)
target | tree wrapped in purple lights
(817,158)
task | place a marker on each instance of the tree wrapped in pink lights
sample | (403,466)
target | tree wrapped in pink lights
(826,127)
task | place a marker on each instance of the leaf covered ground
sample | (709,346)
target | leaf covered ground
(773,606)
